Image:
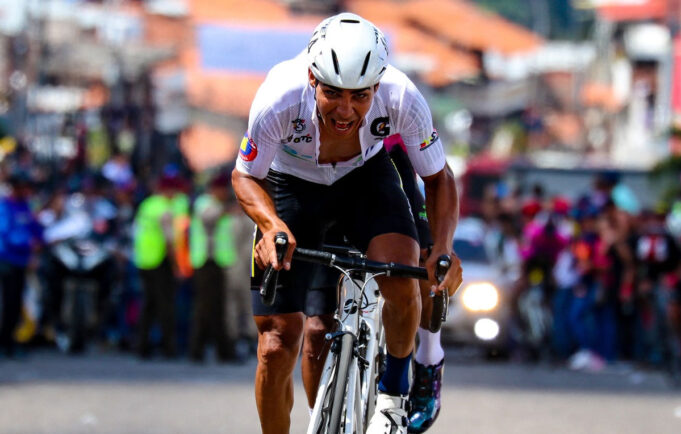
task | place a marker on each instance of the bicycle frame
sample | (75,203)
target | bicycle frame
(358,315)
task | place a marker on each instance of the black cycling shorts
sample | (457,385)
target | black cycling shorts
(367,202)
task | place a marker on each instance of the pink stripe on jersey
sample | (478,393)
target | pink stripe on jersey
(395,140)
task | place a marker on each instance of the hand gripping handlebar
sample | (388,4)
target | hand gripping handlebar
(268,287)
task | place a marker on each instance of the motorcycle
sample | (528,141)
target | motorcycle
(84,254)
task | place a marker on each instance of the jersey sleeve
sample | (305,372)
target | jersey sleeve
(421,140)
(263,138)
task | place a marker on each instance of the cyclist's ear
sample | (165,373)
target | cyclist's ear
(313,80)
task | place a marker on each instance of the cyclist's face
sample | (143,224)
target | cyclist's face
(342,110)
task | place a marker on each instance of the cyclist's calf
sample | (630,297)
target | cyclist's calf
(315,349)
(401,313)
(402,309)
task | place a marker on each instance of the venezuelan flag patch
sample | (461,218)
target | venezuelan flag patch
(248,149)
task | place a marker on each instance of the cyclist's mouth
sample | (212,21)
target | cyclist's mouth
(342,127)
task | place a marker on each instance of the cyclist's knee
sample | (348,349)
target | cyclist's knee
(273,351)
(279,339)
(394,247)
(316,329)
(399,291)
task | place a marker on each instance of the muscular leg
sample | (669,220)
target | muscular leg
(402,309)
(401,315)
(279,339)
(314,353)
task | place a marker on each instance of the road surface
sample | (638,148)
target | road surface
(115,393)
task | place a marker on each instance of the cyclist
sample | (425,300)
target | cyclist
(424,396)
(313,158)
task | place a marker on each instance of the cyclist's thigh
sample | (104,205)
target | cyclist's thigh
(321,298)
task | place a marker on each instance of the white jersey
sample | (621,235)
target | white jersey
(283,128)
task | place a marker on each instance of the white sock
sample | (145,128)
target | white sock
(310,410)
(430,350)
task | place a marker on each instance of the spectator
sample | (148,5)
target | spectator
(616,233)
(154,251)
(589,324)
(20,235)
(52,218)
(118,170)
(506,249)
(657,254)
(240,325)
(212,251)
(127,300)
(566,277)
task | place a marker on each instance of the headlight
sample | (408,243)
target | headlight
(486,329)
(480,297)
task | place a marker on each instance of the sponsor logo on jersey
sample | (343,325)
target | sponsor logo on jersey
(248,149)
(381,127)
(429,141)
(298,125)
(299,139)
(292,152)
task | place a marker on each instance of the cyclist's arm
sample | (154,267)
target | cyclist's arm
(426,154)
(442,207)
(256,154)
(258,205)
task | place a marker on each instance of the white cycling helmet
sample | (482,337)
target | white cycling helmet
(348,52)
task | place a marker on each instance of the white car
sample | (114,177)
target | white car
(479,313)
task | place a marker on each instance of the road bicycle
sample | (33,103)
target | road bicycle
(347,390)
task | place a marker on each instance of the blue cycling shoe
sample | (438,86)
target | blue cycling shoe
(424,399)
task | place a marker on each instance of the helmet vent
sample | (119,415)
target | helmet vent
(335,62)
(366,63)
(350,21)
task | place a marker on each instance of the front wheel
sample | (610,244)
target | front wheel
(343,360)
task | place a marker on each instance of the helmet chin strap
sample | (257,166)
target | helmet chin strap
(319,115)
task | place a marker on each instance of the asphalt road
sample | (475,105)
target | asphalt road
(115,393)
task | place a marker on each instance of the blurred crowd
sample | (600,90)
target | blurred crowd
(129,250)
(109,249)
(591,280)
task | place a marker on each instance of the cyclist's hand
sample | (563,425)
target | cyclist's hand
(453,278)
(266,253)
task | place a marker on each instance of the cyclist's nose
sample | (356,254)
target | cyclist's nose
(344,108)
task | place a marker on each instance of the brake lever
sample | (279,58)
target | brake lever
(441,301)
(268,287)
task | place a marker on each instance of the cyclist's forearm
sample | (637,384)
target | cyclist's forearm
(442,206)
(255,201)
